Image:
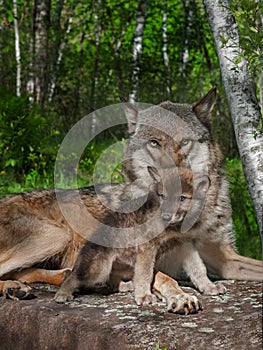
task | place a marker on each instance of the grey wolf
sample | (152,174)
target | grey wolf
(147,243)
(38,245)
(183,132)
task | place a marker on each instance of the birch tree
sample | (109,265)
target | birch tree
(137,48)
(60,47)
(240,92)
(40,54)
(17,49)
(165,48)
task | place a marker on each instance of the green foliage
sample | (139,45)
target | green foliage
(244,216)
(249,17)
(27,144)
(100,163)
(158,346)
(94,41)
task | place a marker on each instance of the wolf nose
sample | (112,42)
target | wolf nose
(166,217)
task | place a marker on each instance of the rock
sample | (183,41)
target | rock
(109,322)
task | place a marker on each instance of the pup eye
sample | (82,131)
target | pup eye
(184,142)
(182,198)
(154,143)
(163,196)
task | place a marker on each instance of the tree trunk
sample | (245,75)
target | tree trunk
(240,92)
(165,49)
(94,87)
(137,48)
(60,47)
(17,48)
(41,29)
(187,35)
(98,31)
(259,26)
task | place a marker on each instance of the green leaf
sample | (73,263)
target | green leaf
(10,162)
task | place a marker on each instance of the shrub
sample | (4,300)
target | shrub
(244,216)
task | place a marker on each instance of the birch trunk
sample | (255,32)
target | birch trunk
(137,48)
(95,80)
(41,27)
(243,104)
(187,34)
(17,49)
(59,54)
(165,49)
(98,32)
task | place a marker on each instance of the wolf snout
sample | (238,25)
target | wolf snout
(167,217)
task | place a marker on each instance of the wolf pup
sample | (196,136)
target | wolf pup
(147,241)
(182,131)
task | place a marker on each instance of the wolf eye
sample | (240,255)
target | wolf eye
(154,143)
(184,142)
(182,198)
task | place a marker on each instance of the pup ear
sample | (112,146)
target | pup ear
(131,113)
(201,186)
(204,107)
(154,174)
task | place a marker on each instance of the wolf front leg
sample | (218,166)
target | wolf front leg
(33,275)
(178,302)
(143,275)
(69,286)
(196,270)
(14,290)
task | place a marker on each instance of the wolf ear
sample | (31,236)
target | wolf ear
(204,107)
(154,174)
(131,113)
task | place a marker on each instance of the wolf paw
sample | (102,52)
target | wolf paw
(214,289)
(16,290)
(184,304)
(126,287)
(62,297)
(145,299)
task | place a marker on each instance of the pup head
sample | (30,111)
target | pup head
(178,199)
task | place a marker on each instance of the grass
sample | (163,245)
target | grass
(157,347)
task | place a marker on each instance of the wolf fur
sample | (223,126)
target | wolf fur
(37,243)
(182,132)
(147,241)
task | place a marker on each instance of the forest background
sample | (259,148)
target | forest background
(63,59)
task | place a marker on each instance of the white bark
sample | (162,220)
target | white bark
(30,86)
(165,47)
(41,52)
(187,35)
(97,27)
(17,49)
(98,31)
(137,48)
(241,97)
(59,58)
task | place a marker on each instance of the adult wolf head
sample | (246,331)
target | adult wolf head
(173,134)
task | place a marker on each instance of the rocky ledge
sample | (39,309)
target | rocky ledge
(109,322)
